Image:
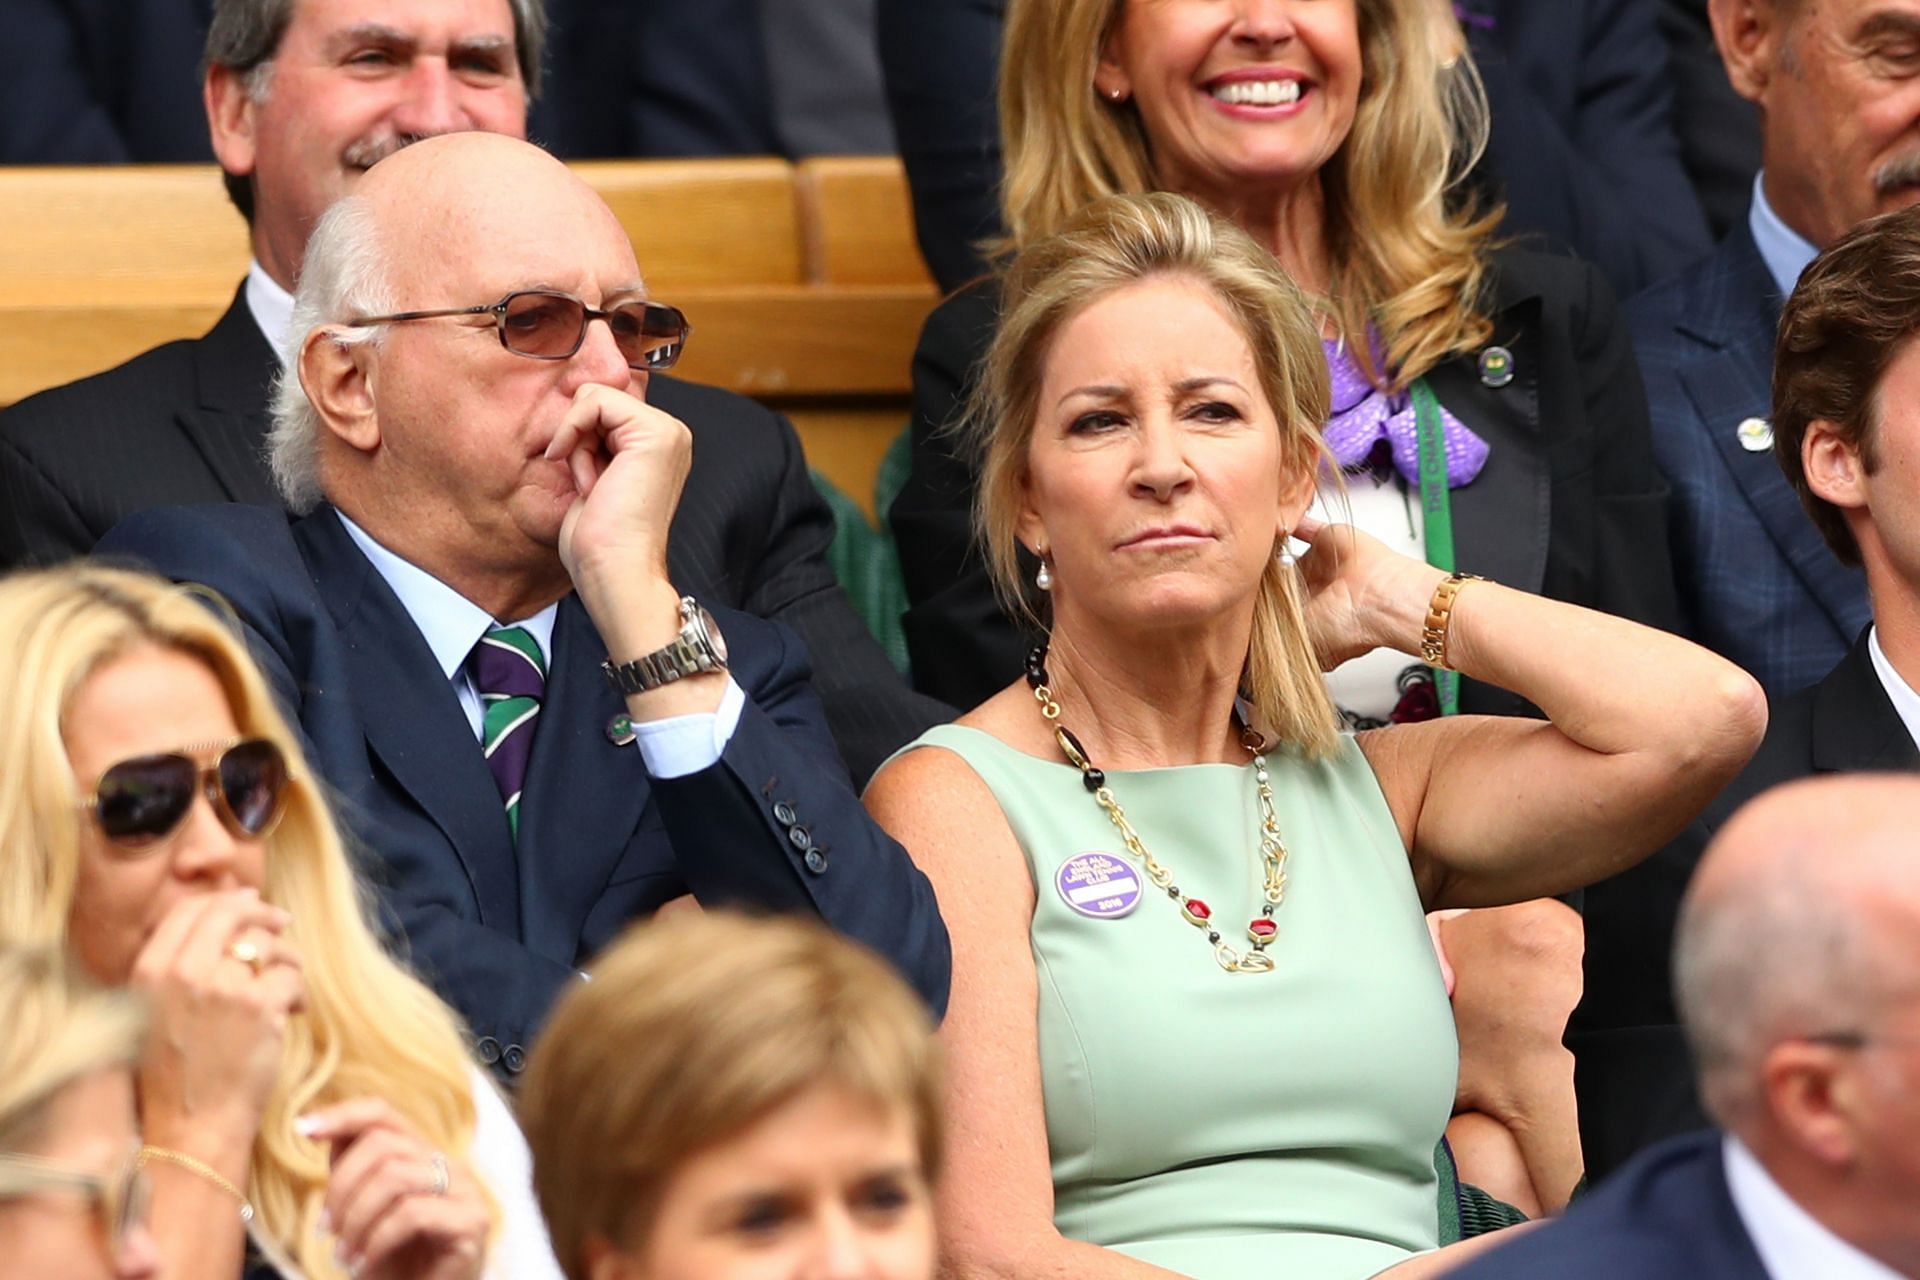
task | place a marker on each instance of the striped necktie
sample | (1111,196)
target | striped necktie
(510,673)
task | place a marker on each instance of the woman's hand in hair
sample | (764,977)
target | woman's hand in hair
(222,980)
(398,1209)
(1361,595)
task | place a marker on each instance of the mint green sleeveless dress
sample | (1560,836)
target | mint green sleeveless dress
(1220,1125)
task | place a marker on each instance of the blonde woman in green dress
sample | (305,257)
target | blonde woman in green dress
(1197,1027)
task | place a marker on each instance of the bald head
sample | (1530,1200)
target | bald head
(1801,920)
(480,212)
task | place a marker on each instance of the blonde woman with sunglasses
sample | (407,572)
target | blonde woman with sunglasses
(73,1199)
(308,1107)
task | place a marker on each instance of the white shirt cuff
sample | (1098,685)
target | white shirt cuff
(680,745)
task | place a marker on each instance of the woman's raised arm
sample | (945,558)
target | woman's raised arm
(1643,728)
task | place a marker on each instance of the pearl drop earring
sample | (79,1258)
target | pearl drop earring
(1044,578)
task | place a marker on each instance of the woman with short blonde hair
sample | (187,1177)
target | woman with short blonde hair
(286,1036)
(1197,1027)
(675,1053)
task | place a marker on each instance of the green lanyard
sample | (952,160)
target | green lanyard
(1436,510)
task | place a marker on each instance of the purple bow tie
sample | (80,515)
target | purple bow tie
(1363,416)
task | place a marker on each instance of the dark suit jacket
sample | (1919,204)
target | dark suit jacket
(186,422)
(1667,1216)
(1582,145)
(499,929)
(1635,1082)
(1757,582)
(102,81)
(1569,503)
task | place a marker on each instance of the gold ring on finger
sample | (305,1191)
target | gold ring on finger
(249,955)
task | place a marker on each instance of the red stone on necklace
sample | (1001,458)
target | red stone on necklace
(1262,929)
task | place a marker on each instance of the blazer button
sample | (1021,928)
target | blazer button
(801,837)
(514,1059)
(489,1050)
(783,814)
(816,861)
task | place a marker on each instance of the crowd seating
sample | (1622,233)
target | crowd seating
(802,281)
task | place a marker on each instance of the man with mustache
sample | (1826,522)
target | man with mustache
(302,96)
(1839,98)
(1839,102)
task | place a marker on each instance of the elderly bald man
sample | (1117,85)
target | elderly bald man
(1797,960)
(477,618)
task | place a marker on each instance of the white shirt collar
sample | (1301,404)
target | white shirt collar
(1905,701)
(1790,1241)
(272,308)
(1785,251)
(451,623)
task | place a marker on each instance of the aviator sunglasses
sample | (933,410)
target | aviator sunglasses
(139,803)
(546,324)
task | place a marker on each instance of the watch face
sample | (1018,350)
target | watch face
(717,641)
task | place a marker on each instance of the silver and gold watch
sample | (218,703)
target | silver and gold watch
(699,647)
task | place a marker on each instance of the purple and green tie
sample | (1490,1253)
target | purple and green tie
(511,674)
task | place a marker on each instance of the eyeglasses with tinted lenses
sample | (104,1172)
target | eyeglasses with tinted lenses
(121,1198)
(138,803)
(546,324)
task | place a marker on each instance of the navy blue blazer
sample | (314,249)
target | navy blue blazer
(1582,147)
(1757,582)
(1666,1216)
(498,930)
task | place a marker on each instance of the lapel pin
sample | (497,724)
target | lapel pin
(1496,367)
(620,730)
(1756,434)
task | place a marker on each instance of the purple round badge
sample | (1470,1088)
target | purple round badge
(1098,885)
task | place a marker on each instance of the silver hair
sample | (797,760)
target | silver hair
(1765,958)
(344,277)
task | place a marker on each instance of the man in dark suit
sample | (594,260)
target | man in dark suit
(1845,426)
(1838,120)
(1798,958)
(298,111)
(537,727)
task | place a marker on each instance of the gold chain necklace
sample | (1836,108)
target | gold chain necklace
(1273,851)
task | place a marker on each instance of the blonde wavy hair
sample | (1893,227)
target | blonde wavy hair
(368,1026)
(59,1030)
(1119,241)
(666,1053)
(1407,248)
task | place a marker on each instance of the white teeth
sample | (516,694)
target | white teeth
(1258,93)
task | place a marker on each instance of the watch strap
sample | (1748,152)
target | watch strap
(680,657)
